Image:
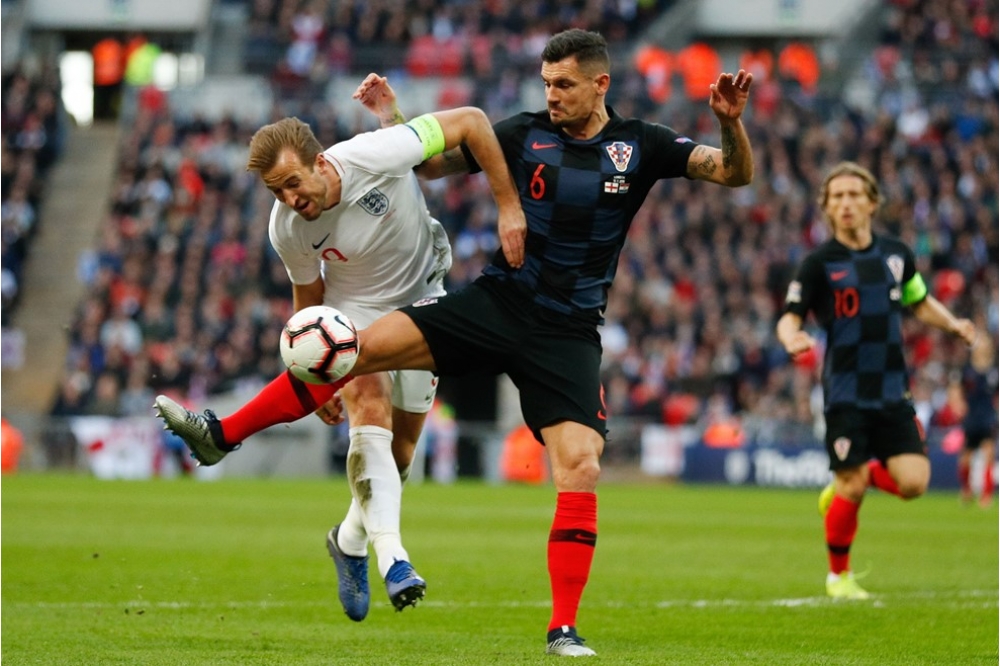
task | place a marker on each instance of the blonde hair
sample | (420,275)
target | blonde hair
(269,141)
(850,169)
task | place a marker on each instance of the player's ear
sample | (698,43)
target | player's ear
(602,82)
(320,163)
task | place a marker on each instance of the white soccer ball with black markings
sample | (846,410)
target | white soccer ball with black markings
(319,344)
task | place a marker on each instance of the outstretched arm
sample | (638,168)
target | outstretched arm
(732,164)
(376,95)
(470,126)
(931,311)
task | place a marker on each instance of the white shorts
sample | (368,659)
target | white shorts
(413,390)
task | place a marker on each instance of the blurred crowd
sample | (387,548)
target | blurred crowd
(33,133)
(311,40)
(186,295)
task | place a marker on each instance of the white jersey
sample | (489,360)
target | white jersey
(379,248)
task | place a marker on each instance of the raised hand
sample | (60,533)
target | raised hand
(730,94)
(376,95)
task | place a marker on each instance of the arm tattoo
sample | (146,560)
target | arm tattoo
(396,118)
(707,166)
(454,162)
(728,147)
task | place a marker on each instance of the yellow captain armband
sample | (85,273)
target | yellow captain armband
(915,290)
(429,131)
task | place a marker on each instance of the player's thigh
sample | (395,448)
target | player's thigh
(911,472)
(467,332)
(559,379)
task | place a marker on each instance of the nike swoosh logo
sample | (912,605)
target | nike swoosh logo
(838,275)
(575,535)
(540,146)
(316,246)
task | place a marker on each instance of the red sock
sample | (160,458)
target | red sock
(879,477)
(284,400)
(988,481)
(571,551)
(963,477)
(841,526)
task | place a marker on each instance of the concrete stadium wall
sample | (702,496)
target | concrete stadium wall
(799,18)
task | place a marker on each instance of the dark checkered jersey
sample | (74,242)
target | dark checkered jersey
(579,198)
(858,296)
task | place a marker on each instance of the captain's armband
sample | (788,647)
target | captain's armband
(428,130)
(915,290)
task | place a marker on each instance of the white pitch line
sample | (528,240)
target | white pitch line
(961,598)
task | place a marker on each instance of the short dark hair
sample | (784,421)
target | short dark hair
(589,48)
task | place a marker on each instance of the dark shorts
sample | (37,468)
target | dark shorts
(974,437)
(855,436)
(553,361)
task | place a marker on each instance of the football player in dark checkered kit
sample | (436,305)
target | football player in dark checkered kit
(582,172)
(857,285)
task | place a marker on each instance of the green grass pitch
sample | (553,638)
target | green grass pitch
(236,572)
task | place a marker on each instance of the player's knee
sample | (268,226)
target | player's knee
(911,488)
(851,486)
(580,475)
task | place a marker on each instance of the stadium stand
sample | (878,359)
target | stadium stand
(33,139)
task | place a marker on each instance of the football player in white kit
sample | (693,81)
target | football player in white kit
(352,227)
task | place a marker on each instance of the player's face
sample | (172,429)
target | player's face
(302,187)
(848,205)
(571,94)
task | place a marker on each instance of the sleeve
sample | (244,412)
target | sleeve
(803,287)
(393,151)
(302,266)
(914,287)
(672,150)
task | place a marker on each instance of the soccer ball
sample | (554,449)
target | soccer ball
(319,344)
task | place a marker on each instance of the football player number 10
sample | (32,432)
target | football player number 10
(846,302)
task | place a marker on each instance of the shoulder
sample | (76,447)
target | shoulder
(522,121)
(829,250)
(813,263)
(282,220)
(385,139)
(891,244)
(644,129)
(893,250)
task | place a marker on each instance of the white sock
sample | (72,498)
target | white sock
(377,491)
(352,537)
